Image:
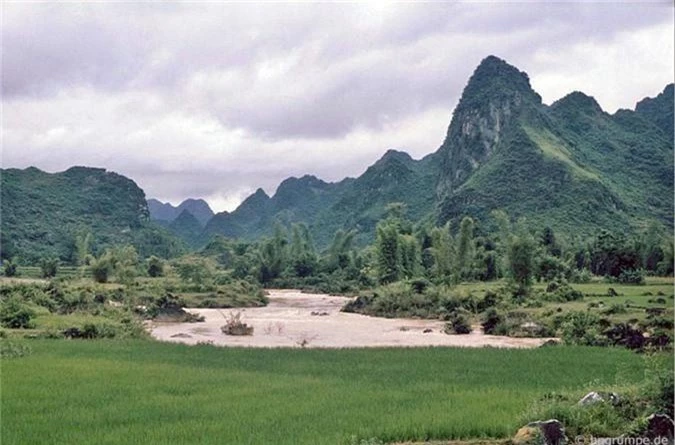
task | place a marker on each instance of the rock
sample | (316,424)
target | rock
(660,425)
(181,335)
(427,330)
(596,397)
(547,432)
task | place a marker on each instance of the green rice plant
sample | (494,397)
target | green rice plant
(143,392)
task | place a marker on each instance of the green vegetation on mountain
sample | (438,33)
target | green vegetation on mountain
(44,215)
(569,166)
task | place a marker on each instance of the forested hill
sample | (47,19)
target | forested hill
(44,215)
(570,166)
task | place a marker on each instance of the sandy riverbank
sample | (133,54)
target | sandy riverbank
(288,321)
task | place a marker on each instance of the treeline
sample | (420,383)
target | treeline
(443,255)
(500,248)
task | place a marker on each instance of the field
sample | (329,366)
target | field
(138,391)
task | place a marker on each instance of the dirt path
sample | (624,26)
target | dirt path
(287,321)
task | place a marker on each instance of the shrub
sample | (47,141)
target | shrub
(624,334)
(13,350)
(582,328)
(491,319)
(234,326)
(101,269)
(631,276)
(10,269)
(49,267)
(91,331)
(15,315)
(458,324)
(155,267)
(420,285)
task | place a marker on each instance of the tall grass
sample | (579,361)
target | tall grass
(141,392)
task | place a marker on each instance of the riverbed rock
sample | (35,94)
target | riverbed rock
(548,432)
(594,397)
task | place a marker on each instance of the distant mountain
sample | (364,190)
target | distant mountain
(570,166)
(42,213)
(161,211)
(351,204)
(187,227)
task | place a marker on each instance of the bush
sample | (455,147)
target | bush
(623,334)
(10,269)
(101,269)
(15,315)
(491,319)
(91,331)
(234,326)
(631,276)
(582,328)
(458,324)
(13,350)
(155,267)
(49,267)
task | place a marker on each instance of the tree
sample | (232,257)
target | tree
(303,258)
(272,257)
(339,251)
(49,267)
(155,267)
(83,246)
(465,249)
(443,252)
(520,256)
(388,252)
(102,267)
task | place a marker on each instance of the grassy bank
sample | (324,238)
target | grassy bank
(136,392)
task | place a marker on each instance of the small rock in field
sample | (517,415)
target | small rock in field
(596,397)
(427,330)
(551,432)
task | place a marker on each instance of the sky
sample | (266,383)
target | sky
(215,99)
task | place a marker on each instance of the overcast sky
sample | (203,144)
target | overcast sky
(213,100)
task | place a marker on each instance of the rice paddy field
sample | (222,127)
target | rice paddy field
(145,392)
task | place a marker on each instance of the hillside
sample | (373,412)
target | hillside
(43,213)
(351,204)
(570,166)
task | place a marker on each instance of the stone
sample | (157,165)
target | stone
(660,425)
(550,432)
(597,397)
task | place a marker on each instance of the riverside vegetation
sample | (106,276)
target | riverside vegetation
(390,395)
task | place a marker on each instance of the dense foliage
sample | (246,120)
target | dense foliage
(74,213)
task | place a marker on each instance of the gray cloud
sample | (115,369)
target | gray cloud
(219,98)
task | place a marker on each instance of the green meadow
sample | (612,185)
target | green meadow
(143,392)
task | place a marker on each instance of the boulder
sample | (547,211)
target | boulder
(547,432)
(597,397)
(660,425)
